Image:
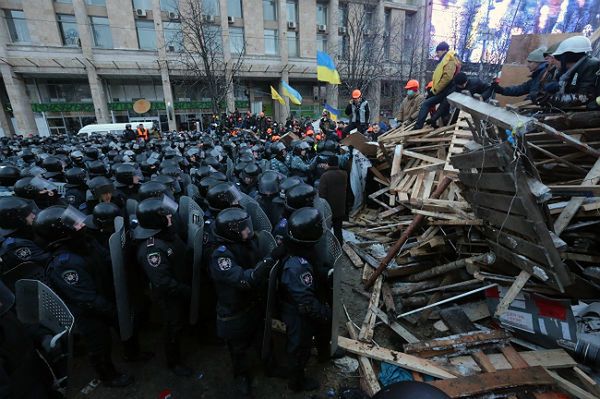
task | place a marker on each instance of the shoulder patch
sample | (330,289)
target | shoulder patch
(283,222)
(222,248)
(70,199)
(302,260)
(153,259)
(63,257)
(71,277)
(306,279)
(150,242)
(9,241)
(224,263)
(23,253)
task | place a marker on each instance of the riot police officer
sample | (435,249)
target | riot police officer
(249,179)
(302,312)
(238,273)
(268,190)
(128,181)
(299,196)
(161,253)
(279,163)
(300,165)
(9,174)
(71,273)
(75,188)
(38,189)
(16,221)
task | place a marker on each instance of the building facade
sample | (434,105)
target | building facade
(68,63)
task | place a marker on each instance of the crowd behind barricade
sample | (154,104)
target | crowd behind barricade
(264,204)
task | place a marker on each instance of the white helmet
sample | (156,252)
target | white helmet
(575,44)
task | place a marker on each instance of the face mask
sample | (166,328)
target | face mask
(410,93)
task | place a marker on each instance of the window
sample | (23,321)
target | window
(345,46)
(234,8)
(17,26)
(321,14)
(168,5)
(142,4)
(269,10)
(236,40)
(292,39)
(271,42)
(369,16)
(68,29)
(210,7)
(146,35)
(386,34)
(101,32)
(343,15)
(322,42)
(64,1)
(292,11)
(213,37)
(173,36)
(96,2)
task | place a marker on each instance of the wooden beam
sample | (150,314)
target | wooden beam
(512,293)
(396,327)
(563,220)
(571,388)
(568,140)
(590,384)
(549,358)
(366,330)
(354,258)
(369,378)
(394,357)
(499,381)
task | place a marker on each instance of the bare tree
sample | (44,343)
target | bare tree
(200,53)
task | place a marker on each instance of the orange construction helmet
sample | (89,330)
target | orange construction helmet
(356,94)
(429,85)
(412,85)
(275,138)
(310,132)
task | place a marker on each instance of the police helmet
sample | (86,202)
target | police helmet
(231,223)
(305,226)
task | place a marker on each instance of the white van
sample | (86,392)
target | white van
(112,128)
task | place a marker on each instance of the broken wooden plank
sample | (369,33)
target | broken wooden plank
(501,381)
(394,357)
(569,387)
(587,381)
(457,344)
(512,293)
(366,330)
(396,327)
(354,258)
(548,358)
(371,383)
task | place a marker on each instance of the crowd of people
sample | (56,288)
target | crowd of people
(60,197)
(564,75)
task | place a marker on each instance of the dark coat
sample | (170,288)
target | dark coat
(332,188)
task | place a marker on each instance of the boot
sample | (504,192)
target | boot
(107,373)
(300,383)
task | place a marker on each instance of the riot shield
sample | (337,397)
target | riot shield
(195,236)
(260,220)
(266,243)
(230,167)
(25,270)
(271,310)
(186,180)
(60,188)
(131,207)
(192,191)
(323,206)
(264,164)
(117,243)
(37,304)
(336,302)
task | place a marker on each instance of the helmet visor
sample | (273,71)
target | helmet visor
(169,205)
(73,218)
(41,184)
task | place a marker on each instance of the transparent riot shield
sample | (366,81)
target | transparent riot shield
(323,206)
(117,244)
(260,220)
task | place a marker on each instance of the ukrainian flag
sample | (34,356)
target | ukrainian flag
(291,93)
(333,112)
(276,96)
(326,71)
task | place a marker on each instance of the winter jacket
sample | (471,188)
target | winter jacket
(444,72)
(358,113)
(580,86)
(531,88)
(332,188)
(409,109)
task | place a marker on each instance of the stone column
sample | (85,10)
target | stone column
(163,65)
(307,18)
(95,81)
(254,31)
(227,53)
(375,89)
(333,39)
(122,24)
(41,21)
(17,95)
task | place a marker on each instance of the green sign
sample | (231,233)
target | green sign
(62,107)
(128,106)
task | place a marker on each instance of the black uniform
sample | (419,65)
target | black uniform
(163,259)
(72,276)
(238,314)
(75,195)
(302,312)
(16,250)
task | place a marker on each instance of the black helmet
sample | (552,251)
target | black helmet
(27,155)
(268,183)
(33,171)
(13,212)
(75,176)
(53,166)
(174,171)
(301,146)
(300,196)
(330,146)
(100,185)
(103,216)
(200,173)
(97,168)
(31,187)
(126,173)
(152,216)
(153,189)
(206,184)
(91,152)
(231,223)
(149,166)
(278,149)
(169,182)
(9,175)
(222,196)
(288,183)
(305,226)
(411,389)
(250,172)
(58,222)
(76,156)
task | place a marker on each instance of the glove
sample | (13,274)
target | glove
(351,149)
(279,252)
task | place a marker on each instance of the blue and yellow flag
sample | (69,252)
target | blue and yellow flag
(291,93)
(275,96)
(326,71)
(334,113)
